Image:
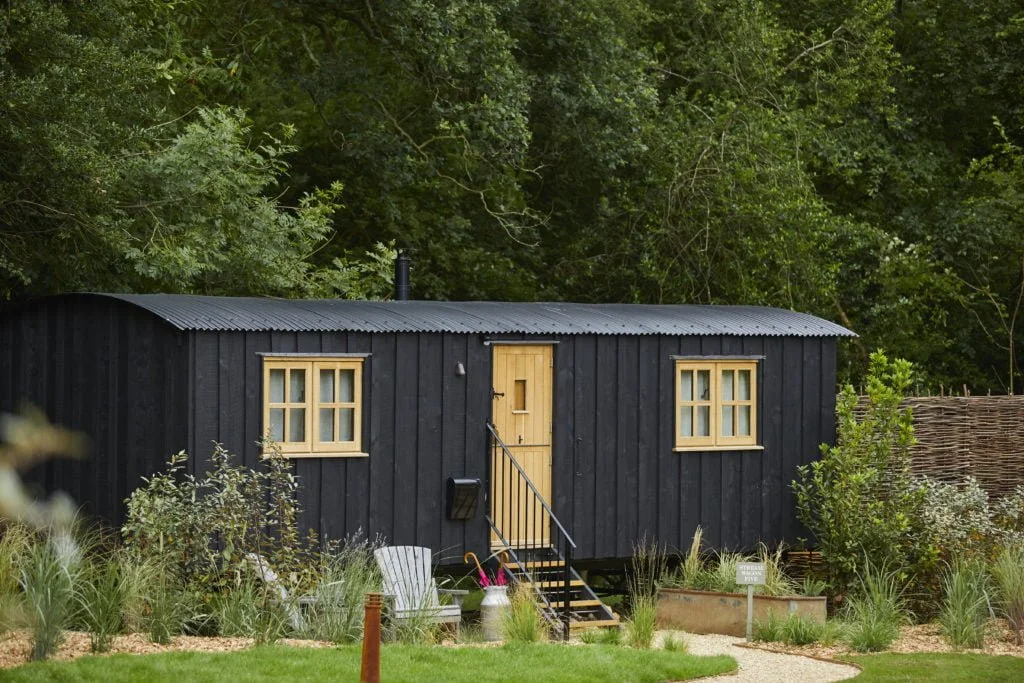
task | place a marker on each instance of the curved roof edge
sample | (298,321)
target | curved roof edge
(213,313)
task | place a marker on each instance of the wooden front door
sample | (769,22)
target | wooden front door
(522,417)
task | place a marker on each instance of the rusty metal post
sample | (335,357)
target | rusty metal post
(370,672)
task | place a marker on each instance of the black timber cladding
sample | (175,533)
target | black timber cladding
(188,312)
(615,475)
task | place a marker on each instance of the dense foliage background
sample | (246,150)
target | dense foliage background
(862,160)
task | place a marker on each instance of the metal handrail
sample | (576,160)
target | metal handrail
(564,540)
(536,493)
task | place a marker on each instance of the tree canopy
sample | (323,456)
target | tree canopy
(861,161)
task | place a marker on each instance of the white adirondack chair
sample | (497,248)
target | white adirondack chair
(409,582)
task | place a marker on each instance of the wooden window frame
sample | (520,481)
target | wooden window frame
(715,441)
(312,446)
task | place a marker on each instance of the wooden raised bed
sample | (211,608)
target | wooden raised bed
(726,613)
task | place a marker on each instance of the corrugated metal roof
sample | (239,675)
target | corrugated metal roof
(187,312)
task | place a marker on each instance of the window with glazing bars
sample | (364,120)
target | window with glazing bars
(716,404)
(313,406)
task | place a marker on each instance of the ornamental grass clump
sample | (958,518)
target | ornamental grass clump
(99,596)
(964,613)
(649,563)
(876,612)
(47,579)
(346,575)
(1008,572)
(522,621)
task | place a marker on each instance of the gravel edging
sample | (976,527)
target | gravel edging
(763,666)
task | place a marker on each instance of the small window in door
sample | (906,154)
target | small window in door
(519,399)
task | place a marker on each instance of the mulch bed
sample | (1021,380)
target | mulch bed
(918,638)
(15,646)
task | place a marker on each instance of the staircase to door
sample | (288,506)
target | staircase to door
(522,522)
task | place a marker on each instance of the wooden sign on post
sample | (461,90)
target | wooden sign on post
(750,574)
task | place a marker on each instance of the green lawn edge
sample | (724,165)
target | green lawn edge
(923,666)
(547,662)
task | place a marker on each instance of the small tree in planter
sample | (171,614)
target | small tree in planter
(860,499)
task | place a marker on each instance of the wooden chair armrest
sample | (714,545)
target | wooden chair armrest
(457,594)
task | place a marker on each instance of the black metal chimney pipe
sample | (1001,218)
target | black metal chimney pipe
(402,277)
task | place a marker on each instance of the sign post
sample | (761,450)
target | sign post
(750,574)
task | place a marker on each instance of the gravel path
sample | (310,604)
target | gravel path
(761,666)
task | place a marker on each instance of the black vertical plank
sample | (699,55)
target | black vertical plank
(383,422)
(732,498)
(231,383)
(332,522)
(829,389)
(628,474)
(606,504)
(453,432)
(429,441)
(585,458)
(205,400)
(679,472)
(772,412)
(563,434)
(810,430)
(406,489)
(256,343)
(792,433)
(357,471)
(750,484)
(711,472)
(479,376)
(648,453)
(309,470)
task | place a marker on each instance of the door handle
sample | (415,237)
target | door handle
(497,394)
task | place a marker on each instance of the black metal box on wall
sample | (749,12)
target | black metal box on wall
(463,495)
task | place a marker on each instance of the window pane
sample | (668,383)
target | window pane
(277,422)
(727,392)
(686,421)
(347,424)
(297,386)
(277,386)
(703,420)
(686,385)
(327,386)
(327,423)
(520,397)
(744,385)
(727,421)
(346,386)
(744,421)
(703,385)
(297,425)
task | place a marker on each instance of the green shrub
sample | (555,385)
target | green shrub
(1008,572)
(860,497)
(168,605)
(964,612)
(206,526)
(813,587)
(249,610)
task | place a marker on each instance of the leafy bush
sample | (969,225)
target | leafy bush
(205,526)
(964,610)
(860,497)
(967,524)
(1008,572)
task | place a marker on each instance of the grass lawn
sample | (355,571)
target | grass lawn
(938,667)
(549,662)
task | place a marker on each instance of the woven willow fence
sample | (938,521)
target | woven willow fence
(979,436)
